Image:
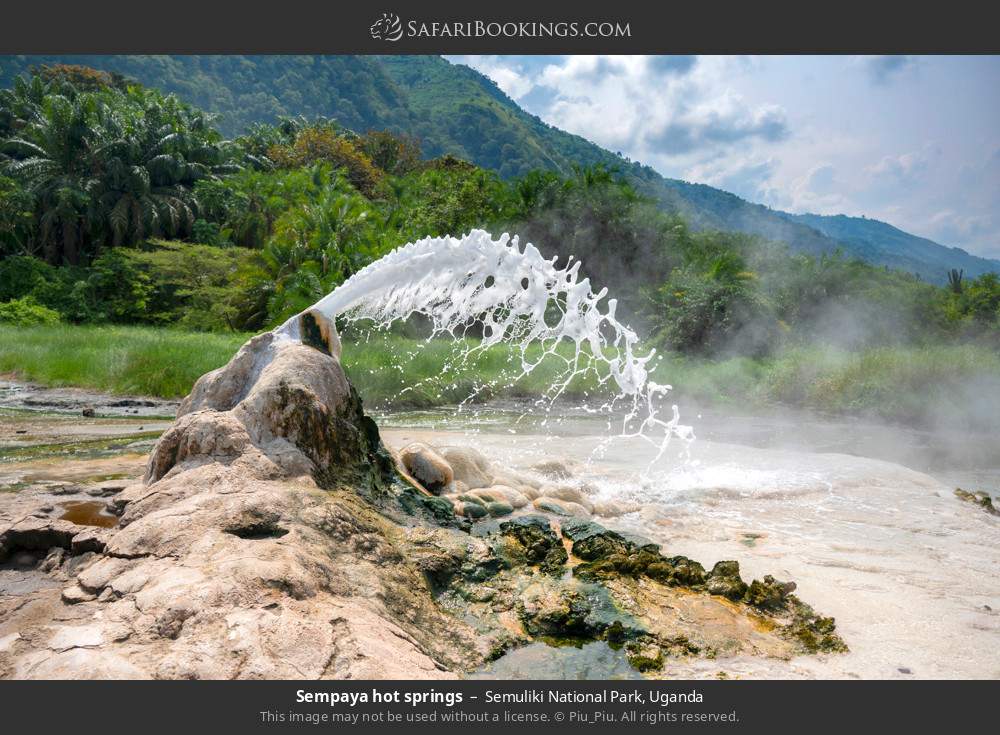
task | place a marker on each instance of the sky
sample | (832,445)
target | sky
(911,140)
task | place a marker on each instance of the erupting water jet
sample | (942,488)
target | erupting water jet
(516,297)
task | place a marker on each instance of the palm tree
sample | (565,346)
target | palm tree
(151,155)
(108,166)
(955,280)
(316,246)
(49,155)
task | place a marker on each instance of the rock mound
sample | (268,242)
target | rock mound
(278,409)
(272,537)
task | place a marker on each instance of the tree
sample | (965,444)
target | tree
(321,143)
(17,223)
(106,164)
(955,280)
(317,245)
(396,155)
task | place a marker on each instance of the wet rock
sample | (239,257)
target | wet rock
(592,541)
(469,466)
(609,554)
(499,493)
(769,593)
(645,655)
(560,507)
(570,611)
(814,633)
(531,540)
(499,508)
(441,509)
(980,498)
(530,492)
(88,412)
(569,494)
(678,570)
(555,610)
(470,509)
(427,466)
(613,508)
(725,580)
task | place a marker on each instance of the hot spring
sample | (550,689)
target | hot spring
(910,573)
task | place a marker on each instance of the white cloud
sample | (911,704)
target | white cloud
(795,133)
(514,82)
(904,168)
(747,176)
(655,107)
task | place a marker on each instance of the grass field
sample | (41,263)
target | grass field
(137,360)
(922,385)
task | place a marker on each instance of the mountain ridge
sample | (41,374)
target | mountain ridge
(455,109)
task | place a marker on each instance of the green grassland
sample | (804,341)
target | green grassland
(922,385)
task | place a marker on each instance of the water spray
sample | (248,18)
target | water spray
(516,297)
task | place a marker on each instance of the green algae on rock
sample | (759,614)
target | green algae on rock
(581,582)
(531,540)
(980,498)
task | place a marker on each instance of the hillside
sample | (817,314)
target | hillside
(879,242)
(454,109)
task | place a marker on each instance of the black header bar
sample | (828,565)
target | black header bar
(508,26)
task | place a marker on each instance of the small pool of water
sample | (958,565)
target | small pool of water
(88,513)
(595,660)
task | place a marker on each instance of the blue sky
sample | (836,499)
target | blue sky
(914,141)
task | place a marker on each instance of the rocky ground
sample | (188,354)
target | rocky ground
(274,536)
(29,396)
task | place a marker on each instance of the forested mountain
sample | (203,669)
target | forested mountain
(879,242)
(454,109)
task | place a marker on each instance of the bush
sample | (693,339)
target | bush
(714,313)
(20,274)
(26,312)
(394,154)
(321,144)
(117,290)
(195,287)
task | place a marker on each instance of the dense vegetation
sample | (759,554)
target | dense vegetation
(456,111)
(120,205)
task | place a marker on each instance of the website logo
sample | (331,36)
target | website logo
(387,28)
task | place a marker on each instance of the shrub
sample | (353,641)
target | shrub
(713,313)
(395,154)
(196,287)
(322,144)
(26,312)
(118,290)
